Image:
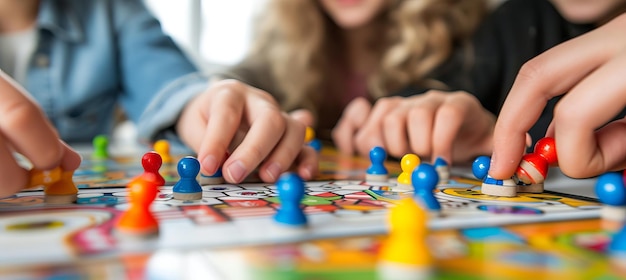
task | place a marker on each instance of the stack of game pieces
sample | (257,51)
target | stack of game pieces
(491,186)
(405,253)
(138,221)
(611,191)
(187,187)
(377,171)
(290,192)
(424,179)
(533,169)
(408,163)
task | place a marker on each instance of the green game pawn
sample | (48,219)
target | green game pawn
(100,147)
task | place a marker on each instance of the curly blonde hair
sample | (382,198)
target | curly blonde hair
(300,41)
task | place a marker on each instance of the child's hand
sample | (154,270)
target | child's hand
(435,124)
(591,70)
(233,115)
(25,129)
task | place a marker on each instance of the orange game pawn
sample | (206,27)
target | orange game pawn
(63,190)
(138,220)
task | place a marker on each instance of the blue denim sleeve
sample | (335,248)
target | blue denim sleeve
(153,69)
(159,118)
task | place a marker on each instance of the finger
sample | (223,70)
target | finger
(304,116)
(32,135)
(449,119)
(395,132)
(610,142)
(268,125)
(71,159)
(354,115)
(549,74)
(285,152)
(307,163)
(370,134)
(422,118)
(12,175)
(223,120)
(581,112)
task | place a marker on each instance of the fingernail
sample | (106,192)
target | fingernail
(237,171)
(210,164)
(273,170)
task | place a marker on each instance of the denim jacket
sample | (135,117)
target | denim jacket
(94,55)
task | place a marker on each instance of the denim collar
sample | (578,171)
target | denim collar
(60,19)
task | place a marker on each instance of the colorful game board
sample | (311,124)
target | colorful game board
(339,205)
(553,250)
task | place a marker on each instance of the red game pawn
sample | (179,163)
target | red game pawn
(546,147)
(138,220)
(533,169)
(151,162)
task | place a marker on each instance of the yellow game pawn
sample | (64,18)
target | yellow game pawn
(63,191)
(404,254)
(309,134)
(407,164)
(162,147)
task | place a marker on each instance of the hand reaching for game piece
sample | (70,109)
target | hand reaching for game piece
(451,125)
(231,114)
(25,129)
(590,69)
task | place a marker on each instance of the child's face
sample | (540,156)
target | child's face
(349,14)
(587,11)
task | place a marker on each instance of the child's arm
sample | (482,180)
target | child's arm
(25,129)
(591,70)
(231,114)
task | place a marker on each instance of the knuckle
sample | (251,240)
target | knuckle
(17,114)
(387,103)
(230,84)
(531,71)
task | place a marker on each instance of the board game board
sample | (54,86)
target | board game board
(339,204)
(552,250)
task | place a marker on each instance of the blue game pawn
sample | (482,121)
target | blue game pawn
(611,192)
(215,179)
(290,191)
(424,180)
(443,169)
(491,186)
(617,248)
(316,144)
(188,188)
(377,171)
